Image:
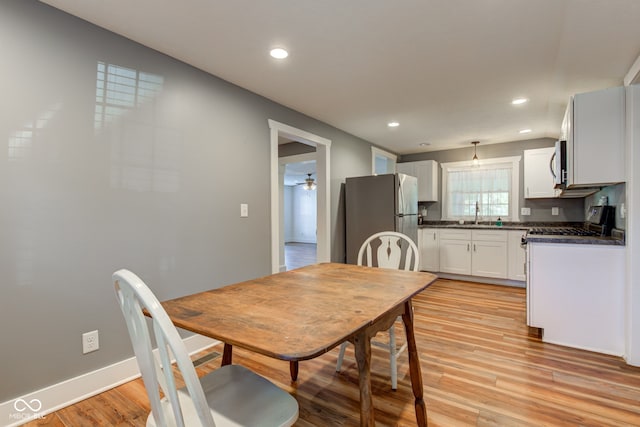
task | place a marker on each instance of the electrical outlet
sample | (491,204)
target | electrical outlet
(244,210)
(525,211)
(90,342)
(555,211)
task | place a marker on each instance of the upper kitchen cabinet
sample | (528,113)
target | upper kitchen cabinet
(538,174)
(427,173)
(594,130)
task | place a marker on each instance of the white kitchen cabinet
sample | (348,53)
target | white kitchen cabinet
(455,256)
(575,293)
(538,177)
(427,173)
(429,242)
(474,252)
(489,253)
(517,255)
(594,127)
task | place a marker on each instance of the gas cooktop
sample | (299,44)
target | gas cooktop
(562,231)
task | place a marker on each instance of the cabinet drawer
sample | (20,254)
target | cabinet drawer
(455,234)
(489,235)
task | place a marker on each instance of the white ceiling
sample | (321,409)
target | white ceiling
(446,70)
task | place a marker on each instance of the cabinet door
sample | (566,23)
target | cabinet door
(538,179)
(455,256)
(429,250)
(489,259)
(576,294)
(595,148)
(427,173)
(516,256)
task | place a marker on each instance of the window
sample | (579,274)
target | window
(382,162)
(493,185)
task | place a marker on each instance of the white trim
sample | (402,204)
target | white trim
(73,390)
(632,294)
(633,76)
(375,151)
(297,158)
(466,164)
(323,157)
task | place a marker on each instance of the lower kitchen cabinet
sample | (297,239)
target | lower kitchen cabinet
(429,244)
(455,255)
(517,259)
(474,252)
(575,293)
(489,253)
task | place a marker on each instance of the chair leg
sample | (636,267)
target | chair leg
(343,347)
(393,358)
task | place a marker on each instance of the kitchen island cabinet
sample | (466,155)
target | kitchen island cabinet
(575,294)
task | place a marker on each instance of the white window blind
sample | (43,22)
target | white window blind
(493,185)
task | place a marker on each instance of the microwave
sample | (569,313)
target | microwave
(559,165)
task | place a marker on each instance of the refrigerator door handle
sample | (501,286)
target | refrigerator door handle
(401,197)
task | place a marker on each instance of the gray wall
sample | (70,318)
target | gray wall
(616,196)
(156,190)
(569,209)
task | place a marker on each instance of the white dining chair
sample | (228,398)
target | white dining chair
(229,396)
(387,249)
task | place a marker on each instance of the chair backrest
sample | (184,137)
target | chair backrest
(392,249)
(134,296)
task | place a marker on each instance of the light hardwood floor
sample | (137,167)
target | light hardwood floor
(298,255)
(481,366)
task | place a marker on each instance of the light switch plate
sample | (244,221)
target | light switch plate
(525,211)
(555,211)
(244,210)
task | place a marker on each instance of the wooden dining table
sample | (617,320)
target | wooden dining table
(303,313)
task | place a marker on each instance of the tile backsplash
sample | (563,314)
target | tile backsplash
(613,195)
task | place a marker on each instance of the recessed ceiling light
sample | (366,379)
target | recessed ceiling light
(393,124)
(525,131)
(424,144)
(279,53)
(518,101)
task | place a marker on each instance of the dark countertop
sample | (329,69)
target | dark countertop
(580,240)
(477,227)
(537,238)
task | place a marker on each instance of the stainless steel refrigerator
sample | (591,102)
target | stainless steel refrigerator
(379,203)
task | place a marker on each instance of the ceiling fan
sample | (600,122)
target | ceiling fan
(309,183)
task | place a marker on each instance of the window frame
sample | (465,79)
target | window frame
(514,199)
(377,152)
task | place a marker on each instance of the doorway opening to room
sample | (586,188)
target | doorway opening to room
(281,134)
(300,212)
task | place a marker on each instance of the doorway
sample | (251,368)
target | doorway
(322,157)
(299,209)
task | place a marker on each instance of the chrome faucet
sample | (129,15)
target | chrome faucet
(477,210)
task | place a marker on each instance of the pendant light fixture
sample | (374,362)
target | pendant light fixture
(475,155)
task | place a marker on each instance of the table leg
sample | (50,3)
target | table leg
(293,369)
(227,355)
(414,366)
(362,344)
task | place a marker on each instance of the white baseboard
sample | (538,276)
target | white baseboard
(39,403)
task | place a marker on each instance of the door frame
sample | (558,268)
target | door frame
(323,147)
